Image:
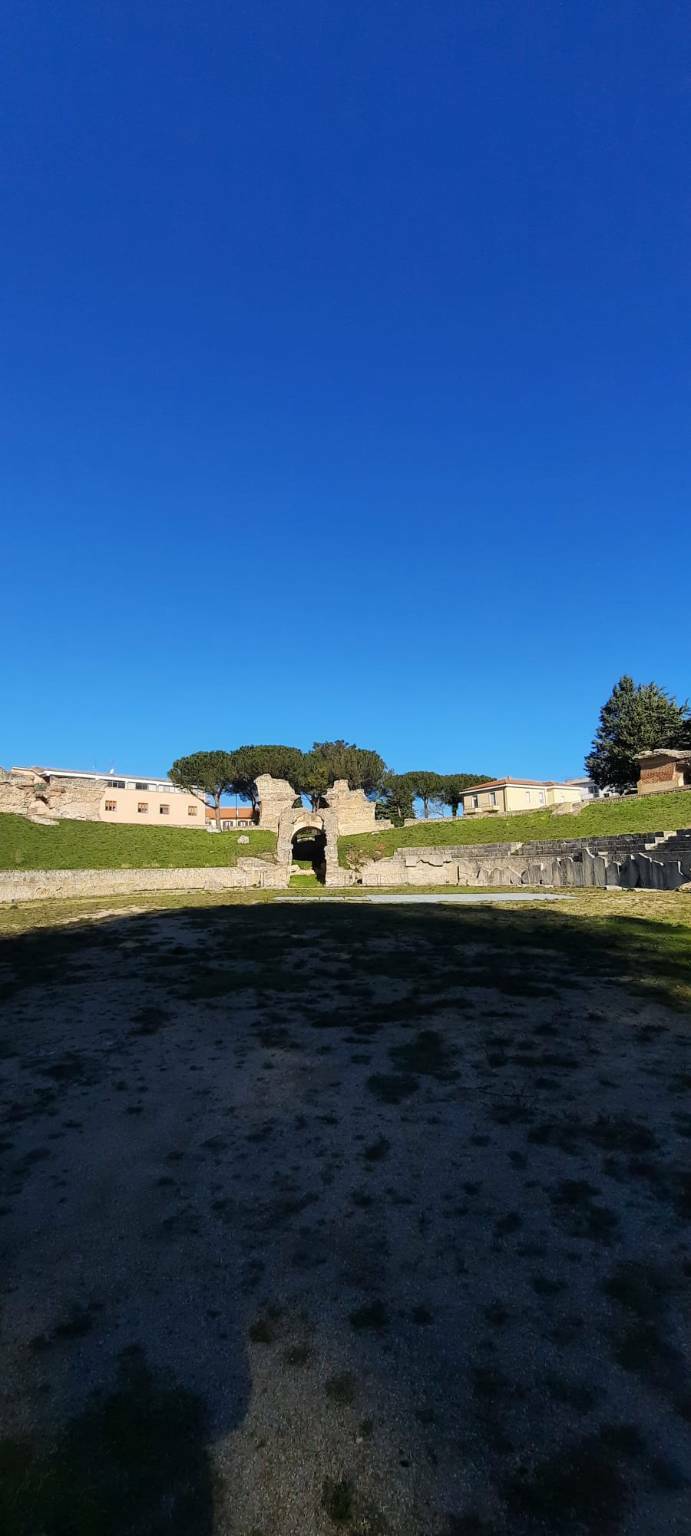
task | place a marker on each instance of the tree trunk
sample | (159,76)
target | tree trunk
(425,807)
(217,804)
(454,808)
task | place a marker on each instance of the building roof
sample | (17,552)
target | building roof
(109,773)
(62,773)
(672,753)
(243,812)
(501,783)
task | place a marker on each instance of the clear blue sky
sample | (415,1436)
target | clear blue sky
(345,362)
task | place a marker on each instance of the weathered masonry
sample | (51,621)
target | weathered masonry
(58,884)
(55,794)
(656,861)
(344,810)
(663,770)
(653,861)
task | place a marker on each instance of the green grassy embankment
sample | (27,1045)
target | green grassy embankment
(598,818)
(93,845)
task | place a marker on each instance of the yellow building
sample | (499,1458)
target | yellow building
(507,796)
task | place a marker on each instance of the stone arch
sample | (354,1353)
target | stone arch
(303,820)
(308,843)
(297,820)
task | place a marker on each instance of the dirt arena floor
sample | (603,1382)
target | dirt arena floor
(360,1218)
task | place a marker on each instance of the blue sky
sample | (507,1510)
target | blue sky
(345,376)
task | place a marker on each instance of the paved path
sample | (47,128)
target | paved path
(456,898)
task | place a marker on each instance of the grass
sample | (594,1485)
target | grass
(643,938)
(93,845)
(599,818)
(337,1499)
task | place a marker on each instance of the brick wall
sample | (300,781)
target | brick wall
(665,776)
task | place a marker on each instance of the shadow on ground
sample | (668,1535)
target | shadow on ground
(345,1217)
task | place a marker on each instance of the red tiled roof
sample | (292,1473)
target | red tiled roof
(243,812)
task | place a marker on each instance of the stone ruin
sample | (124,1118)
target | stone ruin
(33,793)
(344,810)
(654,861)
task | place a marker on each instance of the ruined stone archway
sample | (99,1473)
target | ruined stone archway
(346,810)
(308,848)
(323,825)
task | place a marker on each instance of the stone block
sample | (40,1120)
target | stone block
(672,874)
(594,869)
(633,872)
(275,797)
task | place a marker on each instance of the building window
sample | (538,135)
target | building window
(115,783)
(142,807)
(492,797)
(191,810)
(164,810)
(141,786)
(476,803)
(542,797)
(111,805)
(527,796)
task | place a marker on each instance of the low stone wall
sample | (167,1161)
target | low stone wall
(42,884)
(654,862)
(660,861)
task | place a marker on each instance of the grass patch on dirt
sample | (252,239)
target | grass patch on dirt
(134,1462)
(337,1500)
(426,1053)
(583,1487)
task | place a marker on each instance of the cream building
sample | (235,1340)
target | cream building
(140,802)
(506,796)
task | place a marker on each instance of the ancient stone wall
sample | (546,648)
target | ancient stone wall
(354,812)
(293,821)
(345,810)
(28,792)
(657,862)
(43,884)
(275,797)
(351,808)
